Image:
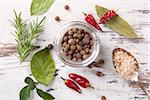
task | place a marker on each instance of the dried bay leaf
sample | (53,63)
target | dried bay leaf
(40,6)
(43,66)
(117,23)
(25,93)
(44,95)
(30,83)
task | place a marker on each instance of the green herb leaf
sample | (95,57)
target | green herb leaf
(43,66)
(25,35)
(25,93)
(44,95)
(117,23)
(30,82)
(40,6)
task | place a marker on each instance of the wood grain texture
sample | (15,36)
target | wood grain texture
(12,74)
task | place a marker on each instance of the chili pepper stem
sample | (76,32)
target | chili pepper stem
(84,13)
(116,10)
(79,92)
(91,87)
(62,78)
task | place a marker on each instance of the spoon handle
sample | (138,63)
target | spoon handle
(143,88)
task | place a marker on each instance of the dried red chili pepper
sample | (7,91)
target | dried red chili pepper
(69,83)
(82,81)
(107,16)
(91,20)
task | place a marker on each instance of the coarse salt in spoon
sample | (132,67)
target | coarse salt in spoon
(127,66)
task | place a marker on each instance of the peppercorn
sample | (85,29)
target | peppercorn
(76,44)
(87,50)
(79,47)
(74,30)
(70,32)
(73,47)
(67,7)
(86,40)
(97,64)
(85,56)
(99,74)
(50,46)
(57,18)
(79,60)
(71,41)
(101,61)
(74,59)
(90,65)
(103,98)
(65,38)
(82,52)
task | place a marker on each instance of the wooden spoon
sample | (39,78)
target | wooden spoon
(127,66)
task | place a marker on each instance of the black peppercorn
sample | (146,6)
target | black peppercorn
(50,46)
(57,18)
(67,7)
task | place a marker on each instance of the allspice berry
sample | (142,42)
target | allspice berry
(73,47)
(76,44)
(71,41)
(77,41)
(82,52)
(66,53)
(79,36)
(78,55)
(74,59)
(90,65)
(86,40)
(99,74)
(67,7)
(69,57)
(74,30)
(79,60)
(78,32)
(50,46)
(79,47)
(57,18)
(87,50)
(70,32)
(75,35)
(64,44)
(97,64)
(91,42)
(101,61)
(67,46)
(65,49)
(104,98)
(85,56)
(65,38)
(70,52)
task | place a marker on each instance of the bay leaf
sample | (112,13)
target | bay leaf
(40,6)
(44,95)
(25,93)
(43,66)
(30,83)
(117,23)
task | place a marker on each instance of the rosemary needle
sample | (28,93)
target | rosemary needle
(25,34)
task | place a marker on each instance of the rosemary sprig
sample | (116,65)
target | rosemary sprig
(25,35)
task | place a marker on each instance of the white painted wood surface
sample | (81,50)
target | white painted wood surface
(136,12)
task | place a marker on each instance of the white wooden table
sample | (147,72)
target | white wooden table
(12,75)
